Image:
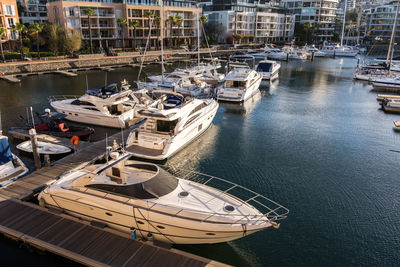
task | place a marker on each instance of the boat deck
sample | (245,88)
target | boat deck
(78,240)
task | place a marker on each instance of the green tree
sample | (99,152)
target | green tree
(307,28)
(179,21)
(51,35)
(203,21)
(157,21)
(135,24)
(90,12)
(20,29)
(171,21)
(72,42)
(149,14)
(2,33)
(35,29)
(121,23)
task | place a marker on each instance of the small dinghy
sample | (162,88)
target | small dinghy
(396,126)
(11,167)
(45,148)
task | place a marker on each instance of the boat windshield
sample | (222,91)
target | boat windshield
(235,84)
(264,67)
(159,185)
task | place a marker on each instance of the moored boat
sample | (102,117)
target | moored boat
(269,69)
(146,201)
(396,126)
(45,148)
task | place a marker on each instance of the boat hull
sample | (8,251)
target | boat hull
(249,92)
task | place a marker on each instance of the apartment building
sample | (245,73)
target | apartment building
(250,22)
(105,29)
(8,18)
(379,21)
(321,13)
(31,11)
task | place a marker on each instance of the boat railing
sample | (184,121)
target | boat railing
(61,97)
(269,209)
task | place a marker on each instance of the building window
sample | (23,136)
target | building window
(11,22)
(9,10)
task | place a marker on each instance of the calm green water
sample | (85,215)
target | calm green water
(314,141)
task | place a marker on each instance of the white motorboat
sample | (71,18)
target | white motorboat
(269,69)
(258,55)
(203,72)
(242,57)
(312,49)
(172,122)
(11,167)
(339,51)
(386,83)
(44,148)
(391,105)
(107,106)
(147,202)
(293,53)
(239,85)
(275,54)
(396,126)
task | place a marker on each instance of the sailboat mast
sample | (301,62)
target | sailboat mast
(198,32)
(162,37)
(344,23)
(391,45)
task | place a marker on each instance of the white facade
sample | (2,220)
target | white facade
(253,26)
(318,12)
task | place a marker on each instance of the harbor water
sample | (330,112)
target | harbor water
(314,141)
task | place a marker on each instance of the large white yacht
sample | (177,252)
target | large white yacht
(147,202)
(275,54)
(171,123)
(239,85)
(339,51)
(11,167)
(108,106)
(269,69)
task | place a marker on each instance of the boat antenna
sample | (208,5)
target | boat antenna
(1,127)
(122,135)
(344,23)
(33,120)
(391,46)
(27,116)
(145,48)
(162,38)
(198,33)
(87,83)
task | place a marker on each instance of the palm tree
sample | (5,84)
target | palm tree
(90,12)
(157,21)
(203,20)
(20,28)
(134,23)
(178,21)
(2,33)
(171,20)
(36,28)
(149,14)
(121,22)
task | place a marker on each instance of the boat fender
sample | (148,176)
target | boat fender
(275,224)
(74,140)
(42,203)
(133,233)
(244,229)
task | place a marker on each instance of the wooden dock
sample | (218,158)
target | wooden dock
(73,238)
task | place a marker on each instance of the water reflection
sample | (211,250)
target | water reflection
(243,108)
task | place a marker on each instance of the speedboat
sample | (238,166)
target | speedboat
(386,83)
(171,123)
(396,126)
(391,105)
(53,123)
(294,53)
(269,69)
(239,85)
(384,98)
(275,54)
(11,167)
(107,106)
(339,51)
(240,56)
(45,148)
(313,50)
(147,202)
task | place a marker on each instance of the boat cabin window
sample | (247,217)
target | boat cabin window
(115,109)
(264,67)
(199,107)
(166,126)
(81,103)
(161,184)
(235,84)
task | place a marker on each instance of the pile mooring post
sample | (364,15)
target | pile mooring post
(36,156)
